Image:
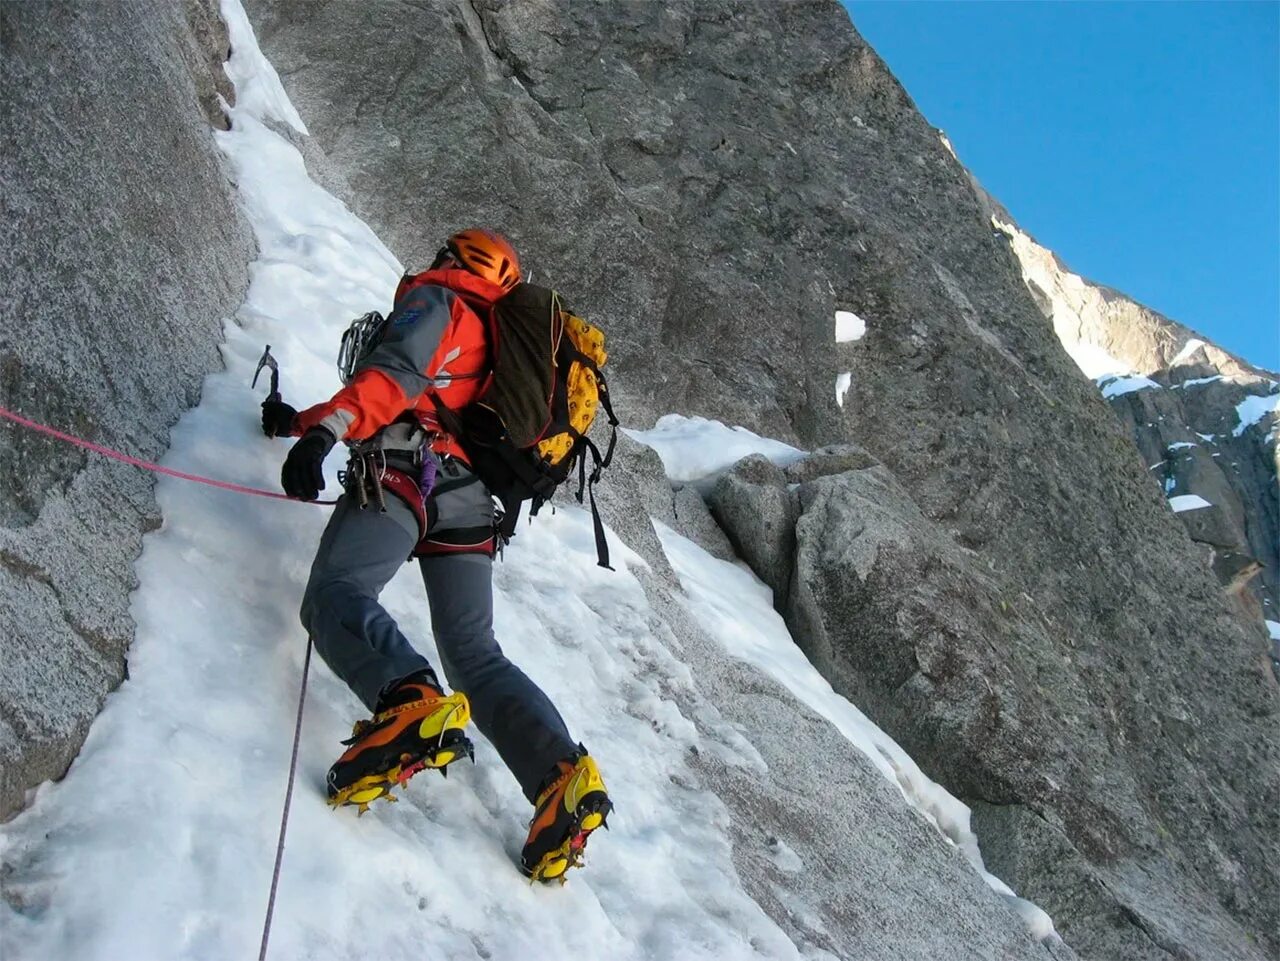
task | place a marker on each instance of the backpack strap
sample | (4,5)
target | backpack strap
(603,389)
(597,526)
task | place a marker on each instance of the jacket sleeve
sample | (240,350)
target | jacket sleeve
(393,376)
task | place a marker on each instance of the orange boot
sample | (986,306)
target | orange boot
(417,726)
(568,809)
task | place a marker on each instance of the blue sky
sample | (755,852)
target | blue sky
(1138,141)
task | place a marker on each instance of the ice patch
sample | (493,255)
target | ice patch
(1182,445)
(695,448)
(1188,502)
(1252,409)
(786,859)
(259,92)
(843,382)
(1094,361)
(849,327)
(1119,386)
(1273,628)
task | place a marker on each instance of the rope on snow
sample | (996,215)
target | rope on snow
(284,816)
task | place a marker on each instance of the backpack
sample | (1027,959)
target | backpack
(527,431)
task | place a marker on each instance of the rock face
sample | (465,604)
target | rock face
(122,253)
(1187,432)
(922,634)
(995,579)
(1186,420)
(813,823)
(753,504)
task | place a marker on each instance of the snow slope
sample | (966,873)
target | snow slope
(695,449)
(159,842)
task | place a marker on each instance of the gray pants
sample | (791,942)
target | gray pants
(359,552)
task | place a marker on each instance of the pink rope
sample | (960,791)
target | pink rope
(145,464)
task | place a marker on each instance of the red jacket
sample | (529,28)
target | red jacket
(435,347)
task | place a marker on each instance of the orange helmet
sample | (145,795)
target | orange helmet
(486,254)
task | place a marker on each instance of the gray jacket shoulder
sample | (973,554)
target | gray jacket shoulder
(412,335)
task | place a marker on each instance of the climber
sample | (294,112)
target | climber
(409,490)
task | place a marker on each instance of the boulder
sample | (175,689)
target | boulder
(755,507)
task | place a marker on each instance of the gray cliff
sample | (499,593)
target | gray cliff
(990,572)
(976,554)
(122,253)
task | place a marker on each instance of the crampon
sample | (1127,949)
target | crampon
(396,744)
(567,812)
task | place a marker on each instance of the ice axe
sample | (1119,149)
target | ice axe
(268,361)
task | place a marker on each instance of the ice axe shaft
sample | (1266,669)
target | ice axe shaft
(268,361)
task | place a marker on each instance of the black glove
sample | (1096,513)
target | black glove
(277,417)
(302,476)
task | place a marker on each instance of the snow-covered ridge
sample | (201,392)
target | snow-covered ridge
(1106,333)
(738,609)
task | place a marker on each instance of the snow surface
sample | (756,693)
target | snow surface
(1095,361)
(1118,386)
(1253,408)
(698,449)
(1182,445)
(1188,502)
(843,383)
(1197,381)
(158,844)
(1189,348)
(1273,628)
(259,92)
(849,327)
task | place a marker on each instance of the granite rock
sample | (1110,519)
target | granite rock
(117,283)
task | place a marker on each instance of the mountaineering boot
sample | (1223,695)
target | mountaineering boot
(571,805)
(416,726)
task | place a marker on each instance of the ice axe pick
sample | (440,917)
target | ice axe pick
(268,361)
